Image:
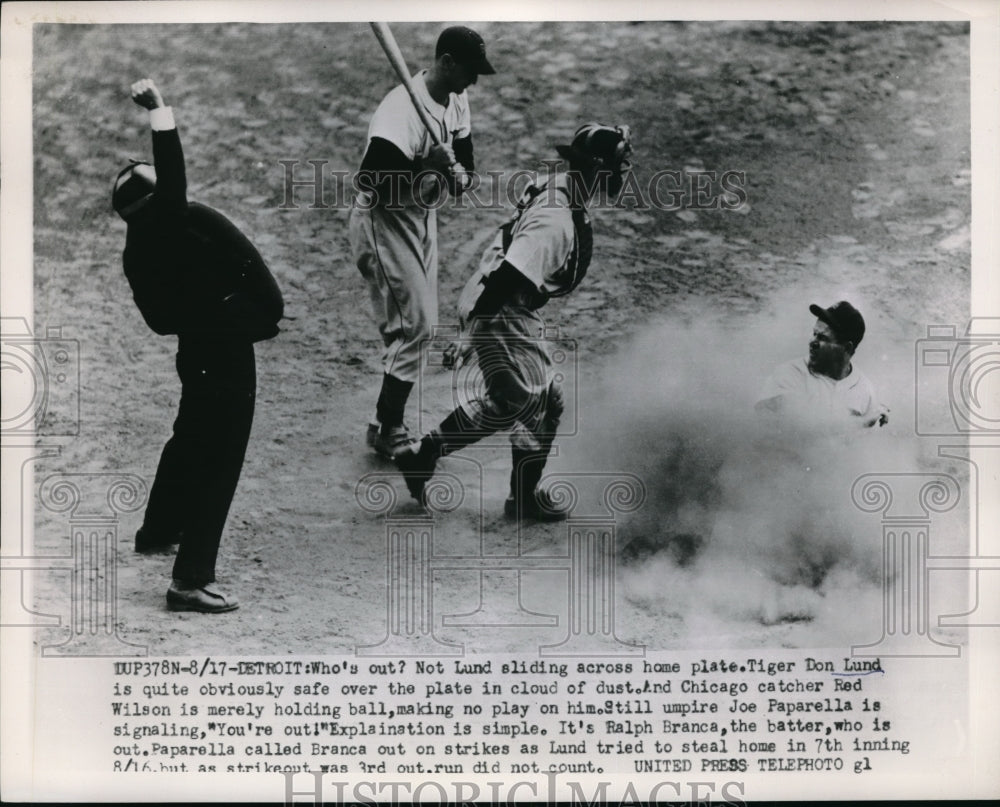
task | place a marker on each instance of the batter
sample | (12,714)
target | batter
(393,223)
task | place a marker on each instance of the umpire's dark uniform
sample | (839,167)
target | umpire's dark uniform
(194,274)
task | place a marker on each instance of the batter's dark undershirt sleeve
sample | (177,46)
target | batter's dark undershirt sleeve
(462,147)
(387,172)
(383,155)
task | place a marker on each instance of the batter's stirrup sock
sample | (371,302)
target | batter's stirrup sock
(392,400)
(456,431)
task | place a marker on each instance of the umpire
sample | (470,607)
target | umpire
(194,274)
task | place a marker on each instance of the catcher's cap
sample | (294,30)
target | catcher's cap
(600,145)
(844,320)
(133,188)
(466,47)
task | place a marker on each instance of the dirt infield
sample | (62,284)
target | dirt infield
(854,141)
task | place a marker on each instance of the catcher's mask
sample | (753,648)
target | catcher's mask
(601,148)
(133,188)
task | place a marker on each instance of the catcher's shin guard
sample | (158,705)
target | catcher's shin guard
(528,464)
(527,500)
(458,430)
(416,462)
(526,472)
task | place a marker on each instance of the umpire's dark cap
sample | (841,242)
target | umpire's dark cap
(844,320)
(133,188)
(466,47)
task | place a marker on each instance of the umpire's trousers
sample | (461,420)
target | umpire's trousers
(200,465)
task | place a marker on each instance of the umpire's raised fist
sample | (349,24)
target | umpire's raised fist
(145,94)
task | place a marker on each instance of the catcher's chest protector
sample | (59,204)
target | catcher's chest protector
(575,268)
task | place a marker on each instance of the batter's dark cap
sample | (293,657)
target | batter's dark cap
(466,47)
(844,320)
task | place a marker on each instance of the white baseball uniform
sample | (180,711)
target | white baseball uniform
(542,246)
(396,249)
(819,399)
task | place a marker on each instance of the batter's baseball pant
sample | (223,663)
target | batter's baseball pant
(396,252)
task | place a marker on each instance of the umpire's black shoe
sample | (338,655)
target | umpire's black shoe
(205,599)
(148,542)
(416,462)
(539,506)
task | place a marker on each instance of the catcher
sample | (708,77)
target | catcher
(543,251)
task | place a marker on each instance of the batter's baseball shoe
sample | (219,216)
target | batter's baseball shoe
(148,542)
(539,506)
(205,599)
(416,462)
(388,441)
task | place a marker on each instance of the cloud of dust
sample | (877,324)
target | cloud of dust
(740,522)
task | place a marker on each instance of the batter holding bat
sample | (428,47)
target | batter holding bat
(419,147)
(543,251)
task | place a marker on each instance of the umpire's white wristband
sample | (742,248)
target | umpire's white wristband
(161,118)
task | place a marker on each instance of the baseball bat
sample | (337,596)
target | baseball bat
(388,42)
